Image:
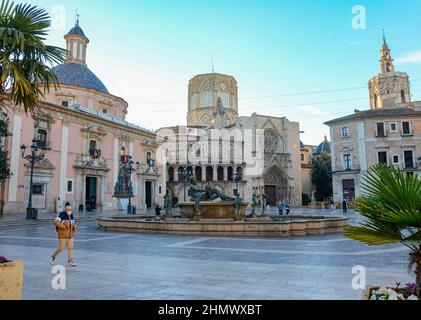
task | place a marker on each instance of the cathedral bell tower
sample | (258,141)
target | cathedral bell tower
(389,89)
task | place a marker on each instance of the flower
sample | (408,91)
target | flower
(3,259)
(412,297)
(384,293)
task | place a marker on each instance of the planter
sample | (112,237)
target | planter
(11,280)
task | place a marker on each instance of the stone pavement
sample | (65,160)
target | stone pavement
(147,266)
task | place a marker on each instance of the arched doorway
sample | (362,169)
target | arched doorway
(198,173)
(276,185)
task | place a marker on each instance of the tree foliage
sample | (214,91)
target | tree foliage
(321,177)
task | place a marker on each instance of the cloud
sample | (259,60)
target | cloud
(314,111)
(413,57)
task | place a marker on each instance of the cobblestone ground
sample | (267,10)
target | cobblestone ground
(140,266)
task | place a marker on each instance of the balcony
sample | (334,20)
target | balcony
(409,133)
(381,134)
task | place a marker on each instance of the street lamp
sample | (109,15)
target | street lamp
(237,178)
(32,158)
(131,167)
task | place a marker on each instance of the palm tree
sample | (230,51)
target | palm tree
(25,61)
(391,204)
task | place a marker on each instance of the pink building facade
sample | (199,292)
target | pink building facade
(83,133)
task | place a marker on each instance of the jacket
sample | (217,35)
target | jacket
(65,224)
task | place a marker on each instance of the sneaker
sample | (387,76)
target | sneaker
(53,260)
(71,264)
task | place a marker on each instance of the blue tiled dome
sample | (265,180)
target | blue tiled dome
(76,74)
(76,30)
(324,147)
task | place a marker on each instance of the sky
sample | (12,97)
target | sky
(307,60)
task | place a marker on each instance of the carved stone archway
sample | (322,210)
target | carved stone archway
(276,184)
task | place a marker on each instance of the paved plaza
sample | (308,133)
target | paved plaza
(145,266)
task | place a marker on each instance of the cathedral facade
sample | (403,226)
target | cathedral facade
(257,154)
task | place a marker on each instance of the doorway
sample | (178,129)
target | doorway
(91,193)
(148,194)
(270,192)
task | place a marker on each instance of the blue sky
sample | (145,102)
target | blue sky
(146,51)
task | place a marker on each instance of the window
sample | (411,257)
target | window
(74,50)
(92,145)
(65,103)
(408,158)
(382,157)
(395,159)
(393,127)
(220,174)
(380,129)
(345,132)
(104,111)
(225,98)
(375,101)
(403,100)
(160,189)
(209,173)
(347,162)
(406,128)
(69,187)
(230,174)
(38,189)
(206,99)
(302,157)
(42,138)
(193,101)
(81,51)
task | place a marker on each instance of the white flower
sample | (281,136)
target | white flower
(393,296)
(412,297)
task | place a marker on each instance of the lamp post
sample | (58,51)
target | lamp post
(32,158)
(131,167)
(238,177)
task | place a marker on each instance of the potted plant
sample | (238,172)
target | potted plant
(11,279)
(391,204)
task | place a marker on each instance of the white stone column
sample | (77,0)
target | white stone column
(15,157)
(63,161)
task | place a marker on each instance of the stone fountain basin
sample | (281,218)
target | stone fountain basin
(212,210)
(259,226)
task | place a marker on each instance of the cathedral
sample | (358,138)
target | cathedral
(249,155)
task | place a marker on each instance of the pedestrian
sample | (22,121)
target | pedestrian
(287,208)
(66,228)
(344,206)
(281,208)
(332,205)
(158,210)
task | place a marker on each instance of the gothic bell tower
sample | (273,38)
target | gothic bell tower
(389,89)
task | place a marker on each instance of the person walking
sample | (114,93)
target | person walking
(287,208)
(345,206)
(332,205)
(158,210)
(281,208)
(66,229)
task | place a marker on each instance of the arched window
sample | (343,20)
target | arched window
(180,174)
(209,173)
(375,101)
(189,171)
(220,173)
(225,98)
(240,172)
(198,173)
(171,174)
(206,99)
(230,174)
(403,100)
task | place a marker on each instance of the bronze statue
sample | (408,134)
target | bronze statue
(167,204)
(238,203)
(254,204)
(264,203)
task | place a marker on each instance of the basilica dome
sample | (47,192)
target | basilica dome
(324,147)
(79,75)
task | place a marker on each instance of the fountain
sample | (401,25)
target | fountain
(211,213)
